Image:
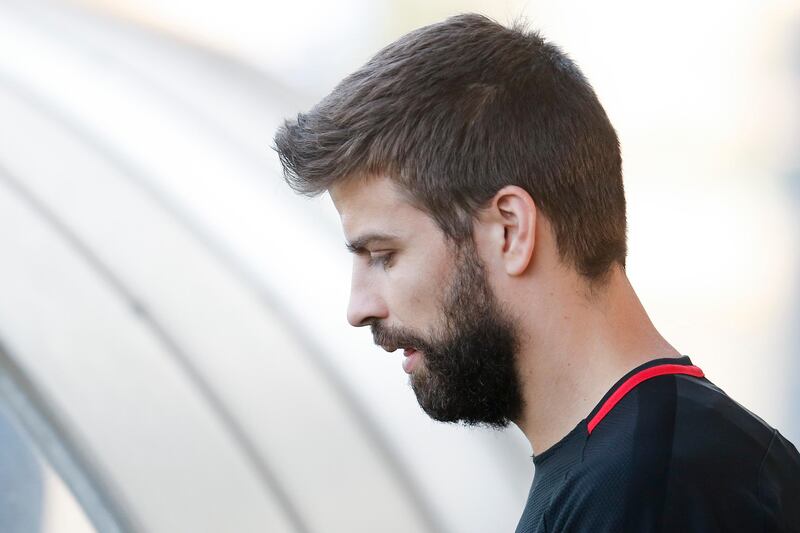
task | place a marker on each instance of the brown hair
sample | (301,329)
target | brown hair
(457,110)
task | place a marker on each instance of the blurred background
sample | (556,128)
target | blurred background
(174,354)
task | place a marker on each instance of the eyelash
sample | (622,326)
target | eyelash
(382,259)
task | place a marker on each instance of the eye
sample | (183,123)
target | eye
(383,259)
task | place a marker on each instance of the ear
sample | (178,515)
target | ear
(512,215)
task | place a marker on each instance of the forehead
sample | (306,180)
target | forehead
(376,204)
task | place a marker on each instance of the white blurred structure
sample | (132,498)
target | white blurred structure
(171,338)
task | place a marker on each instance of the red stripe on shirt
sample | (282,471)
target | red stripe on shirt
(631,382)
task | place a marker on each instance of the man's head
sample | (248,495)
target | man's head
(451,122)
(423,293)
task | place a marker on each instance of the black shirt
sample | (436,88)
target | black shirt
(666,450)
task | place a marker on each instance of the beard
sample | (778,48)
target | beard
(467,372)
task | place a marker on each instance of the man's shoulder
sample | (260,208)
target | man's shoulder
(681,431)
(678,418)
(678,454)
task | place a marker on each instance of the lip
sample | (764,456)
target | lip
(410,359)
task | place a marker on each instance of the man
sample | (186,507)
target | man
(479,185)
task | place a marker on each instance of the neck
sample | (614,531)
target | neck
(578,349)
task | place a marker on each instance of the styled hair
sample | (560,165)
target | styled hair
(453,112)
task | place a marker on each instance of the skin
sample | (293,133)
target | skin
(574,341)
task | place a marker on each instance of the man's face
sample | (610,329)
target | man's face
(419,293)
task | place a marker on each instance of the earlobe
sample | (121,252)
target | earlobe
(518,214)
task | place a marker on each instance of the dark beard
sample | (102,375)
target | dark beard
(468,372)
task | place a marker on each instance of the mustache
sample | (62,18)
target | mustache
(395,338)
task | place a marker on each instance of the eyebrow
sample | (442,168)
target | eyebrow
(359,245)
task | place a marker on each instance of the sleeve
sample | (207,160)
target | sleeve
(779,486)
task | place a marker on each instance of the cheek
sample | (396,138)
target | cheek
(416,288)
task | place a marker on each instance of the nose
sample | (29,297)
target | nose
(366,303)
